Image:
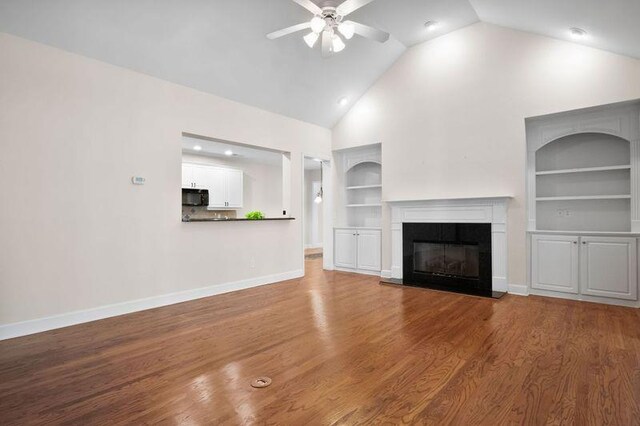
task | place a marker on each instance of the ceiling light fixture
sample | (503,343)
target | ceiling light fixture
(317,24)
(311,39)
(320,193)
(228,153)
(343,101)
(431,25)
(577,33)
(337,45)
(197,148)
(330,25)
(346,29)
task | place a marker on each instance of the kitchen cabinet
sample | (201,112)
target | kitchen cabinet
(225,185)
(585,265)
(357,249)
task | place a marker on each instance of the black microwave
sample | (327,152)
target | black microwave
(195,197)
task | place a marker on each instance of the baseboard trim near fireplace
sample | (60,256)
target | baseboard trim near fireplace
(518,289)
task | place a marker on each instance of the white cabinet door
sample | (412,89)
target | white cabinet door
(608,267)
(187,176)
(217,186)
(234,188)
(200,176)
(345,248)
(555,263)
(368,251)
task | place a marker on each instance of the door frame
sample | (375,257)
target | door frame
(327,210)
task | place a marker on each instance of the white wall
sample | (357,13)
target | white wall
(75,233)
(312,223)
(262,183)
(450,115)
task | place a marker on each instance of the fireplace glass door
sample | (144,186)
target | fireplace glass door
(458,260)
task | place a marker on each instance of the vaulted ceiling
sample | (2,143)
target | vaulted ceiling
(219,46)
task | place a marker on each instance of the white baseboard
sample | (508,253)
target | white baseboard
(24,328)
(519,289)
(357,271)
(313,246)
(385,273)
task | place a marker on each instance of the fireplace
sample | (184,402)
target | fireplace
(448,256)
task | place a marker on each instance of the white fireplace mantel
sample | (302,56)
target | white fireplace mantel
(491,210)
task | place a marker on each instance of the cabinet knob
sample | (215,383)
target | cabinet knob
(584,242)
(575,242)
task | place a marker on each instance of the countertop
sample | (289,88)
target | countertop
(238,219)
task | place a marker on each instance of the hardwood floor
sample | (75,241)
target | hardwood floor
(340,349)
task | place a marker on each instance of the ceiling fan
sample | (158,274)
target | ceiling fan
(328,24)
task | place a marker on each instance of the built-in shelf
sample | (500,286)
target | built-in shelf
(364,205)
(583,170)
(363,187)
(585,197)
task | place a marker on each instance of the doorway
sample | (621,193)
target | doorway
(313,198)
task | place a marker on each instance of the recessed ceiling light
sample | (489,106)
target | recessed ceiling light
(343,101)
(197,148)
(431,25)
(228,153)
(577,33)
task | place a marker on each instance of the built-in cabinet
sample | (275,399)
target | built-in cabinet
(357,249)
(583,180)
(357,238)
(225,185)
(586,265)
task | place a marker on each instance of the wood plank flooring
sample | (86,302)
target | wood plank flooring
(341,349)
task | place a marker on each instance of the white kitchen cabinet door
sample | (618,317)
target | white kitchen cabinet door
(217,186)
(368,251)
(234,184)
(345,248)
(555,263)
(201,176)
(609,267)
(187,176)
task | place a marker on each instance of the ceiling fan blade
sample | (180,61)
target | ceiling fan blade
(369,32)
(289,30)
(326,44)
(351,5)
(310,6)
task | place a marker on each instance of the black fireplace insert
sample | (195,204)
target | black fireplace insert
(448,256)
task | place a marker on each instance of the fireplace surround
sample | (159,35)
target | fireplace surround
(486,210)
(448,256)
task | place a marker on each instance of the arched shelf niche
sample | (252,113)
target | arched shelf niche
(583,183)
(364,194)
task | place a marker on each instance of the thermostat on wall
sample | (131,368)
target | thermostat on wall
(138,180)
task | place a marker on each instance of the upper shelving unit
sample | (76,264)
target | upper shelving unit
(581,170)
(360,180)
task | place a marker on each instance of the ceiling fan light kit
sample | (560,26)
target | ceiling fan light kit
(328,24)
